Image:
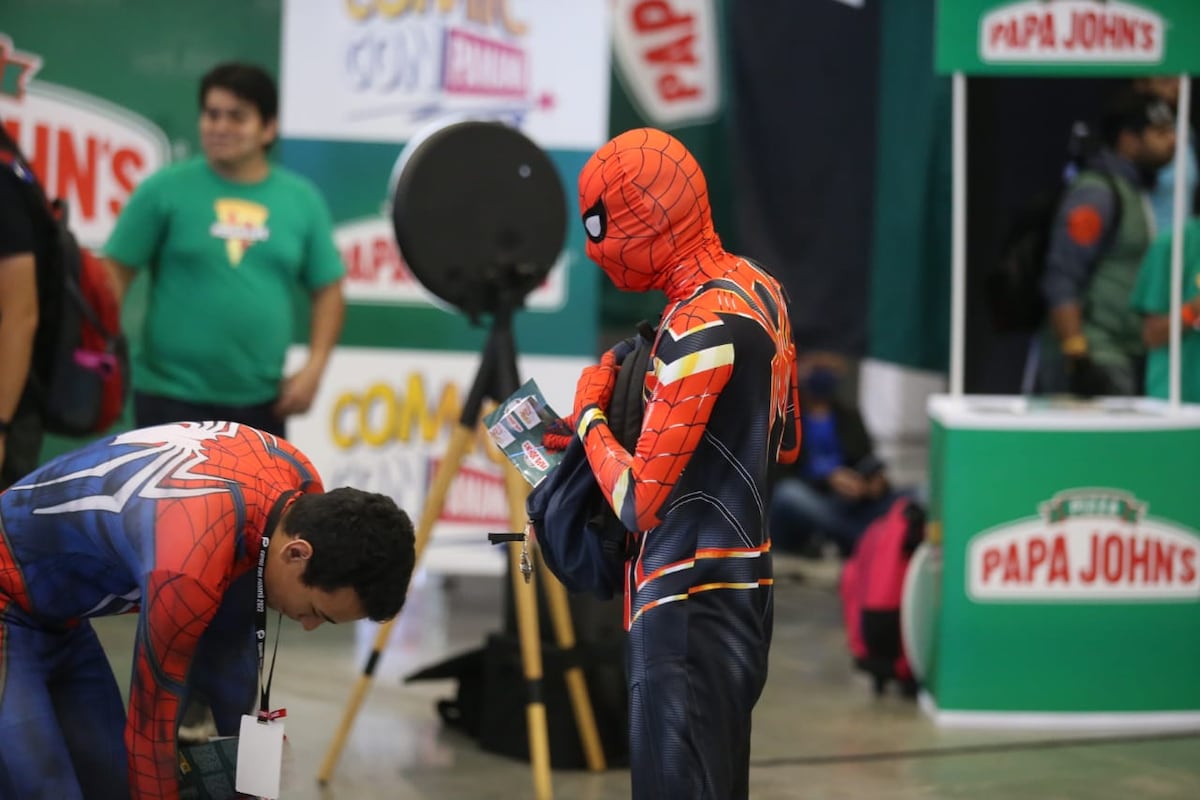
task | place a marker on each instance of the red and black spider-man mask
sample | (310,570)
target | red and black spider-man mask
(645,210)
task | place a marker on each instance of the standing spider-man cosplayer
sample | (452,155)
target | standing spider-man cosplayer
(168,522)
(721,408)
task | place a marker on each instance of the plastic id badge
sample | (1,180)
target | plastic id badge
(260,757)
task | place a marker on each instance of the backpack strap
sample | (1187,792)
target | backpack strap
(74,289)
(55,216)
(1109,182)
(1110,233)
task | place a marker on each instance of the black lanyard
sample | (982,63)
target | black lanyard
(260,609)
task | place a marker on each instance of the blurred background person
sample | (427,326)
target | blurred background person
(227,238)
(1103,228)
(838,486)
(1152,299)
(1162,194)
(23,244)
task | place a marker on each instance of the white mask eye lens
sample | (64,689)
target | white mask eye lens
(595,221)
(592,226)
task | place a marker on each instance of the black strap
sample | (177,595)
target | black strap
(74,289)
(1110,233)
(260,605)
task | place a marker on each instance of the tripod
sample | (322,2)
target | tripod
(495,380)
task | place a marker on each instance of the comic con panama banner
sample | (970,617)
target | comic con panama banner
(358,79)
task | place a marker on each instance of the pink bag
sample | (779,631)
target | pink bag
(870,587)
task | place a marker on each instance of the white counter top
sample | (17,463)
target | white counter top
(1017,412)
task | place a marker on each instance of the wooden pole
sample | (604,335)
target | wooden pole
(581,702)
(525,598)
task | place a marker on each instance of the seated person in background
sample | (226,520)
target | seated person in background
(837,487)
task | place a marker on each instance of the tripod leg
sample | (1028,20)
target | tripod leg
(581,703)
(456,450)
(356,697)
(531,643)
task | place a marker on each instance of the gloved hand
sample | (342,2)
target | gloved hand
(595,387)
(1085,379)
(558,437)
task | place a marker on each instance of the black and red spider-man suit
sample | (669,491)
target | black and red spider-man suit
(167,522)
(721,408)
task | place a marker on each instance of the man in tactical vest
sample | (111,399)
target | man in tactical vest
(1094,346)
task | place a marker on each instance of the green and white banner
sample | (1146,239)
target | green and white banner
(360,79)
(96,120)
(85,149)
(1068,37)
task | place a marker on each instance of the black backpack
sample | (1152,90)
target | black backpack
(81,356)
(580,538)
(1013,280)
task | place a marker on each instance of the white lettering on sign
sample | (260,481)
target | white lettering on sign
(1077,552)
(418,66)
(534,457)
(1072,30)
(669,58)
(475,65)
(376,271)
(474,496)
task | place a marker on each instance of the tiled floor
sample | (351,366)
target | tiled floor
(819,733)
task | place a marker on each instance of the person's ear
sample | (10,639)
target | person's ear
(297,550)
(271,132)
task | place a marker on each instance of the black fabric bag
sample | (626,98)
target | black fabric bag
(580,538)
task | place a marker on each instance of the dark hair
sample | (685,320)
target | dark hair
(359,539)
(249,82)
(1132,110)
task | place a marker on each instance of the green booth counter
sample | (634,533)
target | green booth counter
(1065,591)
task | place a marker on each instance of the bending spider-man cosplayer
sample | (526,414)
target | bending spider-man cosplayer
(168,522)
(721,407)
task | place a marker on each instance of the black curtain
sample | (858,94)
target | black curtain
(805,81)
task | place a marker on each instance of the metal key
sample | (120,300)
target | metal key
(523,537)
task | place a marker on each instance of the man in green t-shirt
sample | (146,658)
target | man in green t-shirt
(1152,297)
(226,240)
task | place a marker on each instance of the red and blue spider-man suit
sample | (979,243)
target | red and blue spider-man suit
(721,409)
(165,521)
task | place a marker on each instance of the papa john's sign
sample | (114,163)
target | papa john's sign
(1072,30)
(669,58)
(1068,37)
(84,149)
(1085,545)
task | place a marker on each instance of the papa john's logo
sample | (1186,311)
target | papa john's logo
(1037,31)
(534,457)
(240,223)
(1086,544)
